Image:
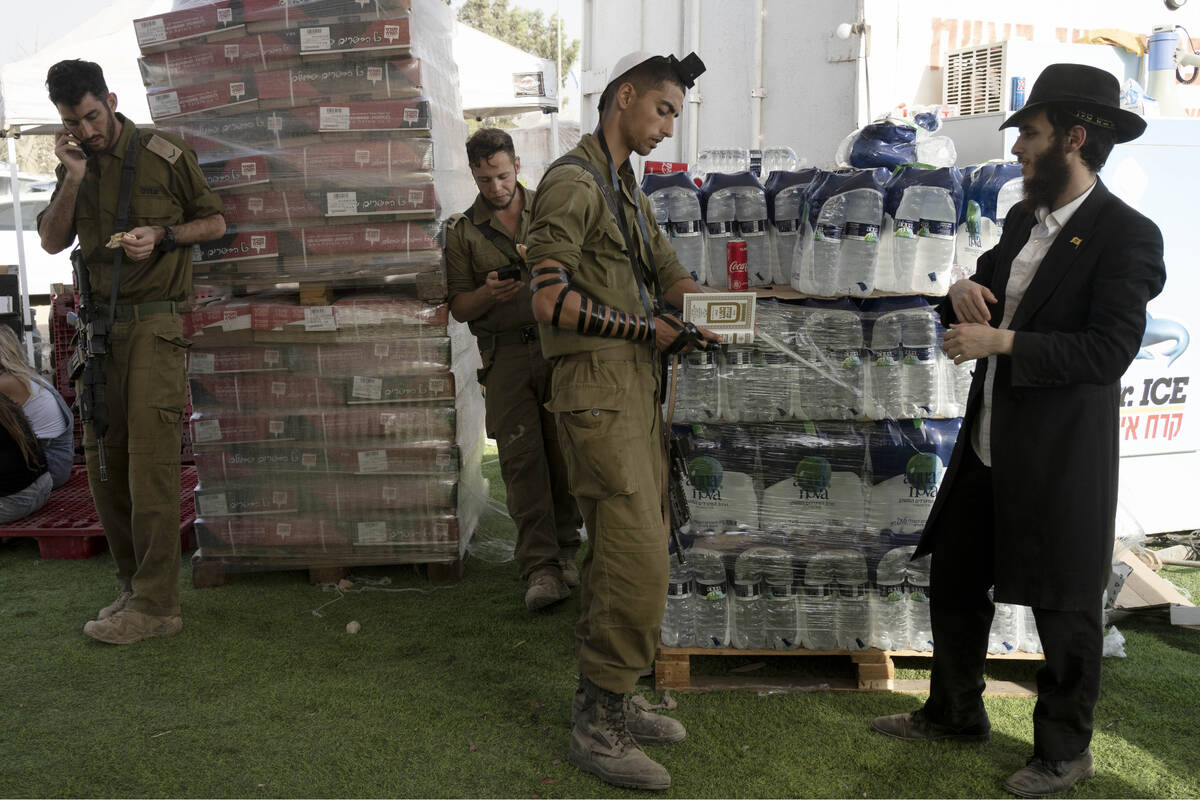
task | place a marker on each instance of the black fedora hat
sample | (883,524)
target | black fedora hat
(1092,95)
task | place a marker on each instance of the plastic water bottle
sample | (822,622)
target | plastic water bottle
(837,391)
(918,337)
(789,205)
(1009,194)
(750,208)
(885,359)
(1005,634)
(679,619)
(935,242)
(827,249)
(712,602)
(1030,641)
(920,628)
(686,230)
(698,397)
(852,613)
(742,403)
(749,629)
(775,380)
(779,601)
(904,242)
(891,607)
(662,212)
(719,229)
(860,243)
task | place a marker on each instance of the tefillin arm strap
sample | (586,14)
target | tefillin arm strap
(124,193)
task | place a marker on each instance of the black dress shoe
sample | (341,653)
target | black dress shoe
(916,727)
(1042,778)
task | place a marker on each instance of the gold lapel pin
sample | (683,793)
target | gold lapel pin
(1076,241)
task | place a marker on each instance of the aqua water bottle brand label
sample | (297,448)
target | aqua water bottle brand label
(863,231)
(936,229)
(720,228)
(892,594)
(827,232)
(906,228)
(886,358)
(746,591)
(711,591)
(917,355)
(848,357)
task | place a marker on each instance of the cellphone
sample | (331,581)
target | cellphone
(508,273)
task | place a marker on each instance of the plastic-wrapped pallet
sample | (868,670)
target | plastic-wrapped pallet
(344,429)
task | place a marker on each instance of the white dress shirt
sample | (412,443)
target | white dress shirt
(1024,267)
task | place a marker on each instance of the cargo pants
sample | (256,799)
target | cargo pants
(610,424)
(531,461)
(139,503)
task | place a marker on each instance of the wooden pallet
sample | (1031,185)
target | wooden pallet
(208,571)
(875,672)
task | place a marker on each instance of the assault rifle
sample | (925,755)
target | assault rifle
(91,348)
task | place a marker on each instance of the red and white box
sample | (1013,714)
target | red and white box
(309,84)
(222,95)
(222,360)
(290,13)
(209,430)
(395,357)
(215,19)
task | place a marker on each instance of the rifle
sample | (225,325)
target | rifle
(91,347)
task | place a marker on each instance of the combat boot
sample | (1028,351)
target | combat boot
(570,572)
(602,745)
(123,598)
(128,626)
(545,588)
(645,726)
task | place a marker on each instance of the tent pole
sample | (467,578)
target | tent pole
(22,266)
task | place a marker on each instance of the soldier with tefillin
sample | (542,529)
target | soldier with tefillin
(600,277)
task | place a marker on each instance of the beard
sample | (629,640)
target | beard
(500,207)
(1050,176)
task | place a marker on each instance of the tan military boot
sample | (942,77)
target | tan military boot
(602,745)
(128,626)
(570,572)
(545,588)
(116,605)
(645,726)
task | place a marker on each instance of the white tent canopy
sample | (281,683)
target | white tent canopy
(106,38)
(498,79)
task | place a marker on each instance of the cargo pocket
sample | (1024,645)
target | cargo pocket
(591,426)
(168,389)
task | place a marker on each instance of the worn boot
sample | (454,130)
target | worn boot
(646,726)
(570,572)
(1041,777)
(128,626)
(602,744)
(545,588)
(116,605)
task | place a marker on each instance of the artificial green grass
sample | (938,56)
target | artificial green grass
(457,691)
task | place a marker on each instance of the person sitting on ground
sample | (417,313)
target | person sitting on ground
(24,480)
(48,414)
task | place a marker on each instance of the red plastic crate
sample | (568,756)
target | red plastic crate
(68,526)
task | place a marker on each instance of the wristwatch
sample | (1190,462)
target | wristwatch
(168,241)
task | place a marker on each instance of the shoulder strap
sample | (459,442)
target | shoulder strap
(123,195)
(614,208)
(497,239)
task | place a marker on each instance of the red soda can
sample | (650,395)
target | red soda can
(735,257)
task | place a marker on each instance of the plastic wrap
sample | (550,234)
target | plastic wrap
(828,360)
(677,209)
(348,431)
(903,136)
(920,221)
(838,247)
(735,207)
(989,191)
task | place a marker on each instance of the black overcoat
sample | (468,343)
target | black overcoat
(1055,425)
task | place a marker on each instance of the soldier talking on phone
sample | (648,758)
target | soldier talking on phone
(136,201)
(489,289)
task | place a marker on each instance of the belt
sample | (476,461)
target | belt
(524,335)
(132,311)
(626,351)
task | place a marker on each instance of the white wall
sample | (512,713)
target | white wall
(809,76)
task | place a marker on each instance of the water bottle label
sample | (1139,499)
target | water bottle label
(720,228)
(906,228)
(863,231)
(738,358)
(919,595)
(779,591)
(685,227)
(682,589)
(752,227)
(747,591)
(819,591)
(892,594)
(885,358)
(825,232)
(847,357)
(711,591)
(787,225)
(850,592)
(917,355)
(936,229)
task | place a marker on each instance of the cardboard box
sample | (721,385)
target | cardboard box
(291,532)
(209,430)
(288,209)
(368,164)
(221,95)
(340,81)
(352,495)
(240,461)
(386,358)
(401,424)
(236,172)
(233,501)
(199,62)
(290,13)
(216,19)
(253,393)
(236,359)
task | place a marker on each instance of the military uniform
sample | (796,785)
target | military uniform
(516,380)
(145,374)
(605,394)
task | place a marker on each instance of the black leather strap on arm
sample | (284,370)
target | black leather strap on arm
(124,194)
(614,208)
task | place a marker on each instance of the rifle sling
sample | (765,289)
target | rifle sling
(123,197)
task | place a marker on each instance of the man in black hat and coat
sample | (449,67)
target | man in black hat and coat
(1054,314)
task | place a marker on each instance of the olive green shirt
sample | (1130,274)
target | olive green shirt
(470,257)
(573,226)
(168,189)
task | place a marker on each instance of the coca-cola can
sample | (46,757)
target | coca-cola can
(735,259)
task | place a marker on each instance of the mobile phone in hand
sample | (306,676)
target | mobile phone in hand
(508,273)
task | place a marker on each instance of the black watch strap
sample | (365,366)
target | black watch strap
(168,241)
